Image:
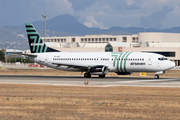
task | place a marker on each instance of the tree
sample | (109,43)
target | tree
(2,55)
(13,60)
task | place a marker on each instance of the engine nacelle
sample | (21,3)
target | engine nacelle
(124,73)
(98,70)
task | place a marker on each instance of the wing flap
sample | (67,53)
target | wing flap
(72,65)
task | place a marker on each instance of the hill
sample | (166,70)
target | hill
(14,37)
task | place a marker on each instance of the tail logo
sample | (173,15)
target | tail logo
(36,44)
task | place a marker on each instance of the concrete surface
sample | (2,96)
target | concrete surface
(94,81)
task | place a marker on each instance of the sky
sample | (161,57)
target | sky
(102,14)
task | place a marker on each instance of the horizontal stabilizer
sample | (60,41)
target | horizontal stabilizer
(31,55)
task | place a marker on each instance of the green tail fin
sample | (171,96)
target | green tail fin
(36,44)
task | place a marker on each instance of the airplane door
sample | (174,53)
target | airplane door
(46,59)
(150,60)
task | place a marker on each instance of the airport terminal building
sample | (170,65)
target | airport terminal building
(167,44)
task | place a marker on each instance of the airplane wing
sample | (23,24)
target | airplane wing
(84,67)
(31,55)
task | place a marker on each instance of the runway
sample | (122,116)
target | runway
(93,82)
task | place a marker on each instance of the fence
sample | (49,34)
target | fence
(22,66)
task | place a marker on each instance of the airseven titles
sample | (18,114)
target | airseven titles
(135,63)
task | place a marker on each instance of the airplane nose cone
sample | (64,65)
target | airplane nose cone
(171,64)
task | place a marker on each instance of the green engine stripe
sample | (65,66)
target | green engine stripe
(122,61)
(118,61)
(125,62)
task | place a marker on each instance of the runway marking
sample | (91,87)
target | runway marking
(147,81)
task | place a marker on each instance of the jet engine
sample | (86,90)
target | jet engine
(98,70)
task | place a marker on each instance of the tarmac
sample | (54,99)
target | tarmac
(94,81)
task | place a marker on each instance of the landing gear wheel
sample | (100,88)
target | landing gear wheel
(101,76)
(87,75)
(157,76)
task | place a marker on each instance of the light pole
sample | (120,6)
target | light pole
(44,16)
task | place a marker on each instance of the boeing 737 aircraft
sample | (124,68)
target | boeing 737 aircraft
(95,63)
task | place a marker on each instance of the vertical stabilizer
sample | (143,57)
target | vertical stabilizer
(36,44)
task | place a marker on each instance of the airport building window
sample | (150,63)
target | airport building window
(73,40)
(124,39)
(133,39)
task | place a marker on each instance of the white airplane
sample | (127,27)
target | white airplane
(95,63)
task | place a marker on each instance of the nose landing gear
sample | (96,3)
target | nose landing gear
(156,76)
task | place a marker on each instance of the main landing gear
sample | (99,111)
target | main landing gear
(156,76)
(87,75)
(102,76)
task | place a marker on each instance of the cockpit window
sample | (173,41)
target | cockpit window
(162,58)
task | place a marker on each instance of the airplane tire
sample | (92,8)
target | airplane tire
(157,76)
(102,76)
(87,75)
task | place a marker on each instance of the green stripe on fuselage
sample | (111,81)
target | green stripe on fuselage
(122,61)
(118,61)
(125,61)
(115,57)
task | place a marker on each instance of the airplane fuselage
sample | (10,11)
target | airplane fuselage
(115,61)
(94,63)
